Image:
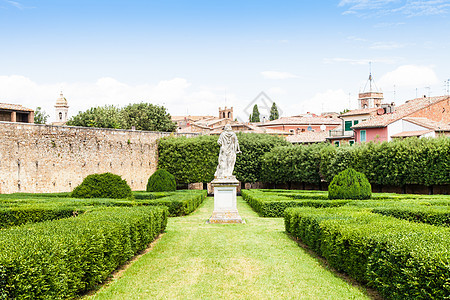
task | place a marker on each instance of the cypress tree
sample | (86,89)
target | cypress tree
(255,114)
(274,112)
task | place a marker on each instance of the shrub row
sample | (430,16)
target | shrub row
(195,159)
(402,260)
(34,213)
(274,205)
(63,258)
(179,203)
(400,162)
(436,215)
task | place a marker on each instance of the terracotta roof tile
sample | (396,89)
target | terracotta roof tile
(401,111)
(357,112)
(411,133)
(308,137)
(14,107)
(302,121)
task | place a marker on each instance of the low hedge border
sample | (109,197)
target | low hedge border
(402,260)
(179,203)
(32,214)
(435,215)
(63,258)
(274,205)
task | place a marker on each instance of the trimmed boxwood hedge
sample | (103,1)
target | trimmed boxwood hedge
(273,204)
(435,215)
(63,258)
(161,181)
(402,260)
(195,159)
(179,203)
(397,163)
(34,213)
(105,185)
(350,184)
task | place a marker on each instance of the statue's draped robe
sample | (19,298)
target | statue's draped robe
(227,155)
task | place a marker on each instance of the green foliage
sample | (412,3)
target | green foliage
(34,213)
(273,204)
(255,114)
(274,112)
(400,162)
(61,259)
(40,116)
(180,203)
(350,184)
(161,181)
(400,259)
(189,159)
(105,185)
(146,116)
(248,166)
(107,116)
(292,164)
(434,215)
(195,159)
(143,116)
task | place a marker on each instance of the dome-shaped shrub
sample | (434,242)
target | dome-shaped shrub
(349,184)
(161,181)
(106,185)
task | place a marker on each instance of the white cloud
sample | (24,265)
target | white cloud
(409,76)
(277,75)
(18,5)
(386,45)
(327,101)
(176,94)
(409,8)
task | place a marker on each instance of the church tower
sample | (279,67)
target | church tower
(61,109)
(371,98)
(226,113)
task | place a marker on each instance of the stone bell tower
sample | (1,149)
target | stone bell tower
(62,110)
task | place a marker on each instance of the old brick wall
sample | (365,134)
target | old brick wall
(45,158)
(439,111)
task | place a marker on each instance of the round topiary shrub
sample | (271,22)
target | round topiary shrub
(106,185)
(349,184)
(161,181)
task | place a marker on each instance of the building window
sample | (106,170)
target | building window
(60,115)
(348,125)
(351,143)
(363,135)
(337,143)
(355,122)
(291,130)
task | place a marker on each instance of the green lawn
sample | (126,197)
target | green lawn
(256,260)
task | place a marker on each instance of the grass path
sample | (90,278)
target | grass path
(256,260)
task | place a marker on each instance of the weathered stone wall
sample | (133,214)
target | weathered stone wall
(46,159)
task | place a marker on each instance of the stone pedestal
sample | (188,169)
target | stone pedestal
(225,206)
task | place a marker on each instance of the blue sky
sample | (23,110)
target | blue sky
(194,56)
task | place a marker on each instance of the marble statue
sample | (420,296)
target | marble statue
(229,147)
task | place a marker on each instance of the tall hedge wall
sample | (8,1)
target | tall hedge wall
(400,162)
(195,159)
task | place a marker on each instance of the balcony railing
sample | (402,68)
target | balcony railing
(341,132)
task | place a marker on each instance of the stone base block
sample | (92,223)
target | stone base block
(225,217)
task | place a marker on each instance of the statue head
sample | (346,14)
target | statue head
(227,127)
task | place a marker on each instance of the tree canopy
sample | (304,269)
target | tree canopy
(146,116)
(255,114)
(274,112)
(40,116)
(141,116)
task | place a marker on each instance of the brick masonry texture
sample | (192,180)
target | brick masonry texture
(47,159)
